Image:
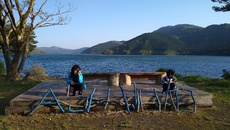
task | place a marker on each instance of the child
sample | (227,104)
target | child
(75,79)
(169,79)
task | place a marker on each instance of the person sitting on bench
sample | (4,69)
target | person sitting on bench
(169,79)
(75,80)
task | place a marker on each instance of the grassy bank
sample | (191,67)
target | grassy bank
(216,117)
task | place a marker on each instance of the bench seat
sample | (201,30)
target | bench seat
(127,77)
(124,78)
(111,77)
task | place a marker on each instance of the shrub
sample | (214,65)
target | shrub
(145,52)
(178,76)
(2,68)
(108,52)
(36,71)
(226,74)
(162,70)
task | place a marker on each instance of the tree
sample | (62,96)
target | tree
(226,74)
(145,52)
(224,8)
(12,39)
(108,52)
(23,18)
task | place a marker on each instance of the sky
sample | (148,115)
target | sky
(100,21)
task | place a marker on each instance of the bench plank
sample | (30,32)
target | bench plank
(126,76)
(112,78)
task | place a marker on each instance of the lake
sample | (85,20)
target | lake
(60,65)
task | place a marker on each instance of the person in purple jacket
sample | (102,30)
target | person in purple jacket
(75,80)
(169,80)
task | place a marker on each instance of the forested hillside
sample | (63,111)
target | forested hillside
(102,47)
(212,40)
(180,39)
(151,43)
(59,50)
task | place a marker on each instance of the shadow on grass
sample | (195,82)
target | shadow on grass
(10,90)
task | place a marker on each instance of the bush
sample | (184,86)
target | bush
(162,70)
(178,76)
(226,74)
(36,72)
(2,68)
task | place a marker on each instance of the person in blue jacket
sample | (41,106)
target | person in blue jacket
(75,80)
(169,80)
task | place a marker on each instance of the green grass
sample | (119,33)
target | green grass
(9,90)
(219,87)
(221,95)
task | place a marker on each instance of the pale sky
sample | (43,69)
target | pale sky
(99,21)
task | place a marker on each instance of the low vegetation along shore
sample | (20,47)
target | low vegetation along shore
(215,117)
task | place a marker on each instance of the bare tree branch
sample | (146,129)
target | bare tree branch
(18,8)
(48,19)
(21,29)
(9,12)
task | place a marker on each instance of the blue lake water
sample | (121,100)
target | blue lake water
(59,65)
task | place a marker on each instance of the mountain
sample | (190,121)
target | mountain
(181,39)
(102,47)
(180,30)
(58,50)
(37,51)
(150,43)
(97,49)
(212,40)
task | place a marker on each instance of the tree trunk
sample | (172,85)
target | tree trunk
(12,67)
(15,67)
(12,75)
(12,64)
(24,56)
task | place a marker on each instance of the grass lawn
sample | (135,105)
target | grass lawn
(216,117)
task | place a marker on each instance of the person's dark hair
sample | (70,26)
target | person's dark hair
(75,67)
(170,72)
